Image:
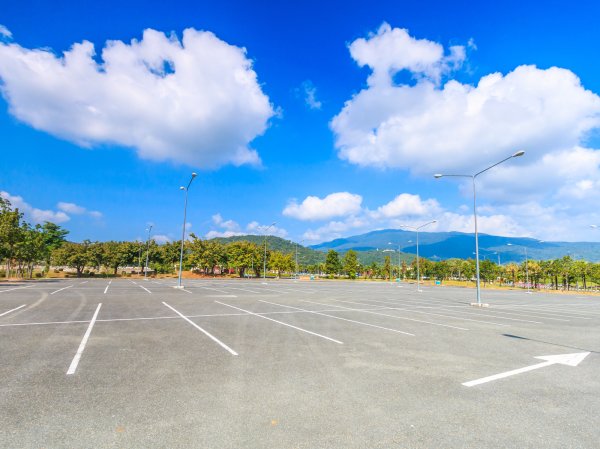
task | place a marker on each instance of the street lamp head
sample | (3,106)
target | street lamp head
(594,226)
(438,175)
(194,174)
(434,221)
(518,154)
(181,188)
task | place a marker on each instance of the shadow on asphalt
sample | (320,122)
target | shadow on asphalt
(550,343)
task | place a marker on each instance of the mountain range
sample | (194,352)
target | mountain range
(447,245)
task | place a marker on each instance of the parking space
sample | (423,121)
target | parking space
(232,363)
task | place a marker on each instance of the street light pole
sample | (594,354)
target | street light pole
(183,227)
(416,229)
(147,252)
(438,175)
(265,257)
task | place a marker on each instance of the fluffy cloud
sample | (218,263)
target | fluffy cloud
(439,125)
(230,228)
(32,213)
(309,93)
(161,239)
(403,209)
(391,50)
(74,209)
(333,205)
(408,205)
(195,101)
(428,128)
(5,32)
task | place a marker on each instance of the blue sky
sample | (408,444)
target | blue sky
(331,122)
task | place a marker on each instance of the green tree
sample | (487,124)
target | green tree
(387,267)
(73,255)
(10,232)
(280,262)
(242,255)
(332,263)
(350,264)
(53,236)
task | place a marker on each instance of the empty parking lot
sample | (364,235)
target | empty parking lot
(284,364)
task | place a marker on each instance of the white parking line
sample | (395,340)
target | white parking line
(145,289)
(209,315)
(75,362)
(12,310)
(343,319)
(15,288)
(61,289)
(394,316)
(84,282)
(282,323)
(208,334)
(417,311)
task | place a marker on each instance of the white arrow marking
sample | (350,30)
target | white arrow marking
(563,359)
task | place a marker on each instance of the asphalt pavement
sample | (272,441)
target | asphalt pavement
(94,363)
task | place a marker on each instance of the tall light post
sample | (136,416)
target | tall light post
(416,229)
(297,244)
(265,257)
(526,266)
(186,189)
(147,252)
(439,175)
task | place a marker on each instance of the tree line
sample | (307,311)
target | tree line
(25,248)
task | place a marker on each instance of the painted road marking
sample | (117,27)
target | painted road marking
(395,316)
(282,312)
(15,288)
(61,289)
(208,334)
(221,296)
(282,323)
(563,359)
(428,313)
(343,319)
(75,362)
(145,289)
(12,310)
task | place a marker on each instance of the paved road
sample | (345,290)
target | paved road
(243,364)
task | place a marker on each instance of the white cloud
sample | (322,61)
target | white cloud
(406,204)
(391,50)
(449,127)
(333,205)
(255,227)
(231,228)
(75,209)
(71,208)
(33,214)
(195,101)
(309,93)
(161,239)
(5,32)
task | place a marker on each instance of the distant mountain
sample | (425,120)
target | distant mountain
(306,256)
(310,256)
(446,245)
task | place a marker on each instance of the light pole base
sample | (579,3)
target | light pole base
(178,286)
(479,304)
